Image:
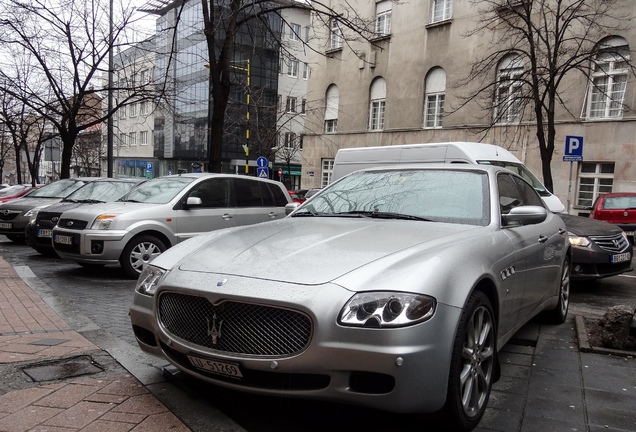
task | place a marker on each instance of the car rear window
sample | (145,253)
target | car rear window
(619,203)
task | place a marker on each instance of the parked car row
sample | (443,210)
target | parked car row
(101,221)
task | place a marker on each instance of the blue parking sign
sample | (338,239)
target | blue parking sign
(573,149)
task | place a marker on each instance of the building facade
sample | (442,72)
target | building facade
(411,83)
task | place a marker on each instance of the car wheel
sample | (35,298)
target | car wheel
(472,365)
(559,314)
(15,238)
(139,252)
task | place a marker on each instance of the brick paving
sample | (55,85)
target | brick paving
(33,335)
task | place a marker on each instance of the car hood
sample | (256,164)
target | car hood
(583,226)
(28,203)
(310,250)
(87,212)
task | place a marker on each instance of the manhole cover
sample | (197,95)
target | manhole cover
(61,369)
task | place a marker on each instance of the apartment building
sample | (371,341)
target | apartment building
(411,81)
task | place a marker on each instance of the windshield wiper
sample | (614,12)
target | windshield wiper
(381,215)
(90,201)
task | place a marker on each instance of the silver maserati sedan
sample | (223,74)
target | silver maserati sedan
(414,278)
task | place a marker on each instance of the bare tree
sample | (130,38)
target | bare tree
(68,43)
(222,21)
(532,47)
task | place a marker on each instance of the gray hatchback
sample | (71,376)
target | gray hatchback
(161,213)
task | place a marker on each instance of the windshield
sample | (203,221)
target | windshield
(523,171)
(57,189)
(158,191)
(104,191)
(435,195)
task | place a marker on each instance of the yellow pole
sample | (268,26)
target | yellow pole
(247,127)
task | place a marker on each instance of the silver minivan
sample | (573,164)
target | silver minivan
(163,212)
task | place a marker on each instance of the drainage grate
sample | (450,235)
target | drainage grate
(65,368)
(523,342)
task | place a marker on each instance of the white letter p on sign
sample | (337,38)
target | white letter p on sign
(573,144)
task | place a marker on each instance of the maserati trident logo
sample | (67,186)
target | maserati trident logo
(214,332)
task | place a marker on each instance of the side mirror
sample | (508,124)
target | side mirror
(525,215)
(192,201)
(291,207)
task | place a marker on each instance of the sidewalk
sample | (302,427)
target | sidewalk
(53,379)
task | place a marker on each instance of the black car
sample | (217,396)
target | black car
(39,228)
(599,249)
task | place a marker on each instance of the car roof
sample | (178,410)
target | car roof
(211,175)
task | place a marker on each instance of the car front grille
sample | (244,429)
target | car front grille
(47,219)
(72,224)
(234,327)
(613,244)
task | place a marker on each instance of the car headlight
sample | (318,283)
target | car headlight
(149,280)
(579,240)
(32,213)
(386,309)
(103,221)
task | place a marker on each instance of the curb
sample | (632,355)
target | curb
(585,346)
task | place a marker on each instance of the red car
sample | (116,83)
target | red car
(618,208)
(297,196)
(15,191)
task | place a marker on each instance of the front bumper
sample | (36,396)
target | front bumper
(594,263)
(13,225)
(400,370)
(91,246)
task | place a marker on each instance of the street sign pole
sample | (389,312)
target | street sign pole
(573,153)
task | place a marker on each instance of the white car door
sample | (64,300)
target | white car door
(257,201)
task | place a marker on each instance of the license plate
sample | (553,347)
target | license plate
(218,367)
(43,232)
(620,257)
(6,225)
(63,239)
(629,233)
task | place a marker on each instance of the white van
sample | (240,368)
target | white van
(352,159)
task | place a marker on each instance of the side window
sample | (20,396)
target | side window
(280,200)
(247,193)
(509,195)
(214,193)
(529,194)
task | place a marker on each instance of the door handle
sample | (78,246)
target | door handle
(272,215)
(562,231)
(542,239)
(226,216)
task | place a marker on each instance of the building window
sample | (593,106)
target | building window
(331,109)
(327,172)
(144,76)
(132,112)
(307,34)
(122,111)
(122,139)
(143,108)
(441,10)
(290,140)
(335,35)
(143,138)
(292,68)
(300,141)
(435,88)
(132,139)
(303,106)
(383,18)
(305,71)
(294,31)
(594,179)
(378,104)
(291,104)
(508,98)
(608,82)
(279,103)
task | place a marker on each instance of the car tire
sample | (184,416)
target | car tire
(139,252)
(473,364)
(559,314)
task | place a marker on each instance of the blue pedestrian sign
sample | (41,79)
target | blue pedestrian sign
(261,162)
(573,149)
(262,172)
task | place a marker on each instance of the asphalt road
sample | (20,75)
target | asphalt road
(104,295)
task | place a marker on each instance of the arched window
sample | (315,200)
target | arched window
(435,88)
(508,98)
(331,109)
(378,104)
(608,79)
